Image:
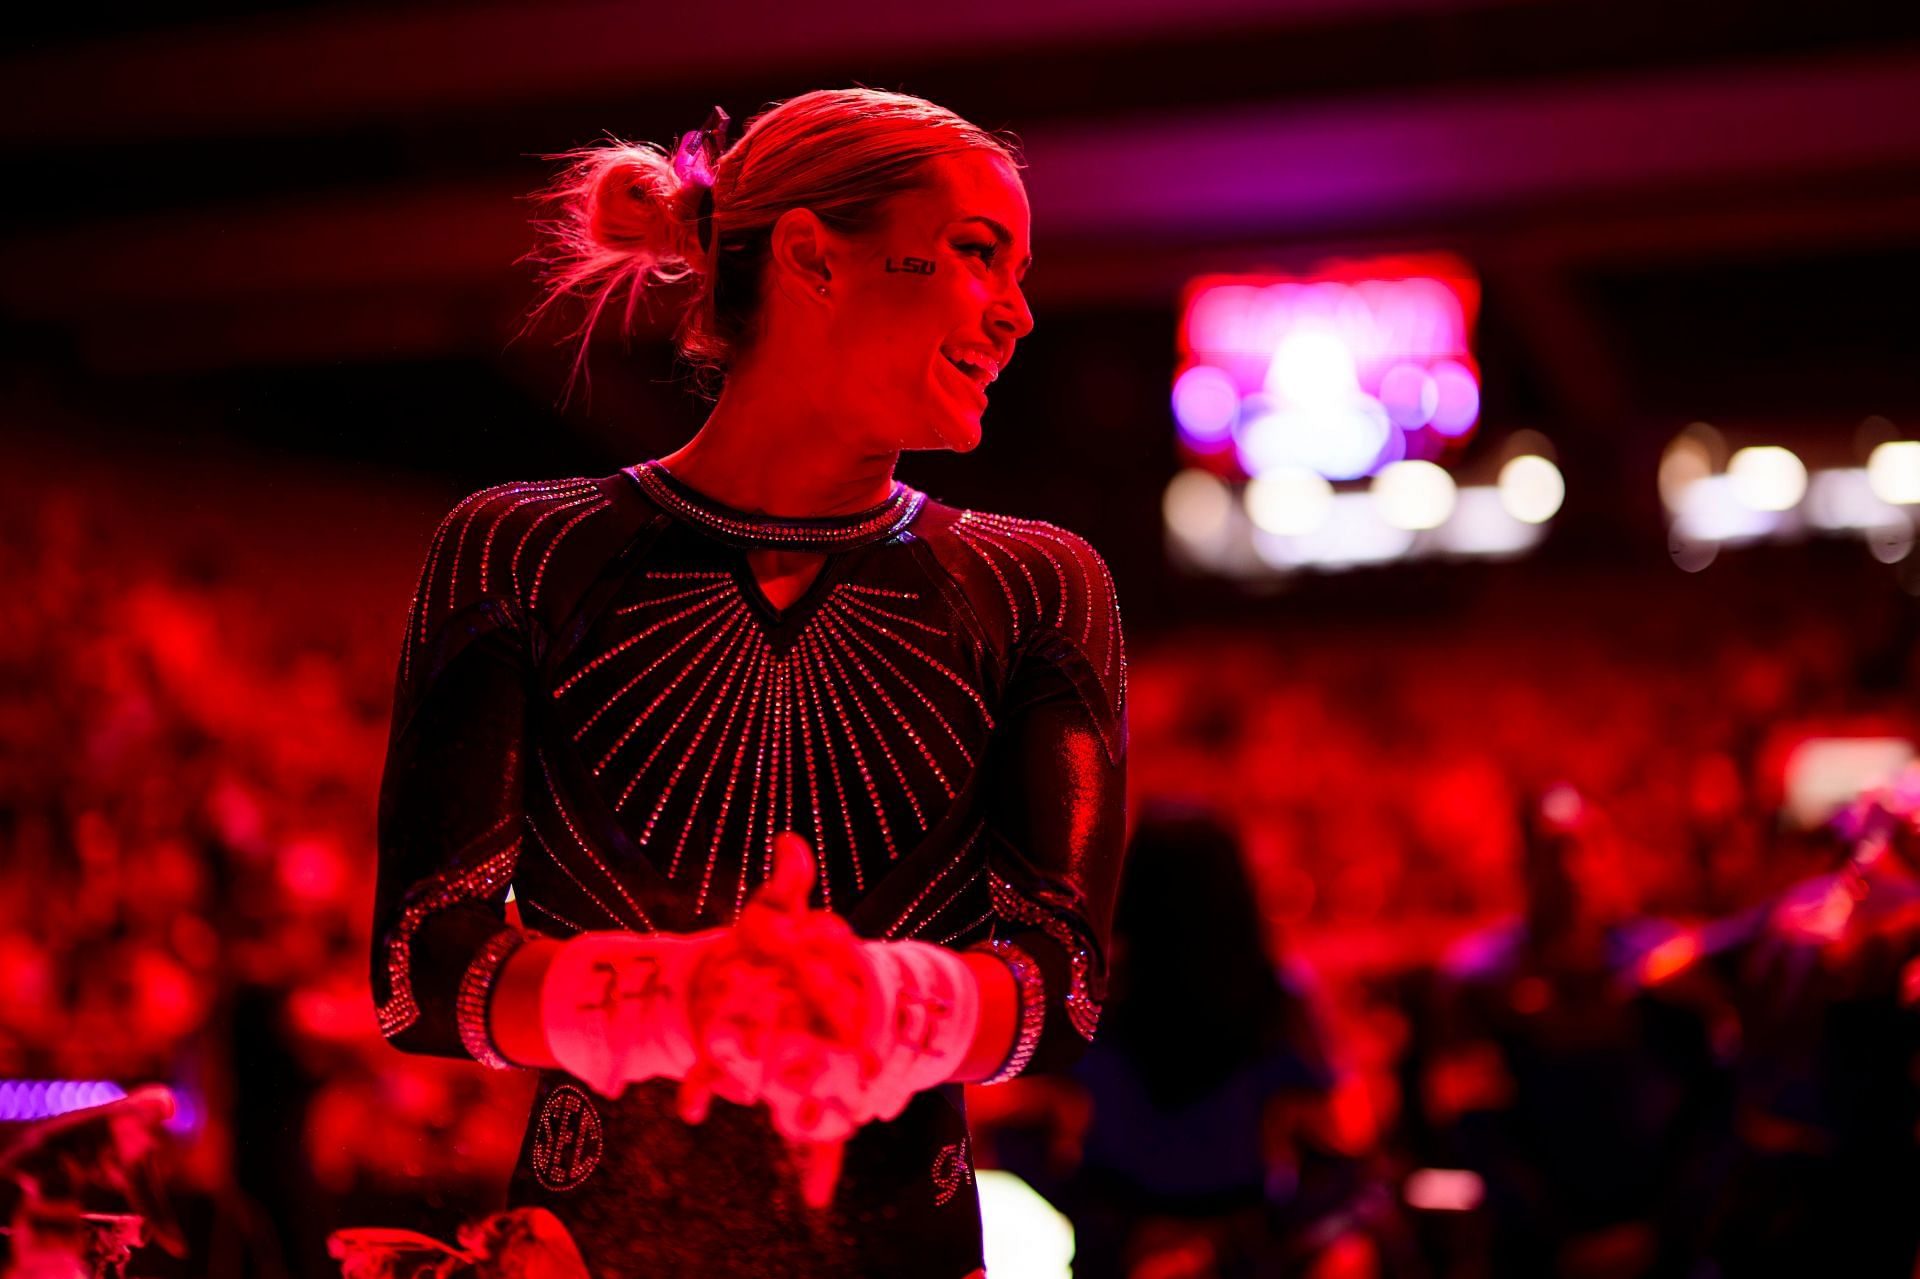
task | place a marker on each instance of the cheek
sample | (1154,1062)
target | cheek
(908,312)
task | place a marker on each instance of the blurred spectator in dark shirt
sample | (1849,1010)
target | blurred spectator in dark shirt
(1198,1131)
(1827,1117)
(1575,1070)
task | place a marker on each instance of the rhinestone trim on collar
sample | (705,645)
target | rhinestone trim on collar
(838,533)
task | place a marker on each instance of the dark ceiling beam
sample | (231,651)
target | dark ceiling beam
(185,131)
(300,71)
(427,237)
(1283,175)
(1295,171)
(477,311)
(1740,160)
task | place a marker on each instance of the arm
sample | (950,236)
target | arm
(514,1017)
(451,820)
(1055,794)
(993,1038)
(1057,830)
(450,975)
(1054,802)
(450,828)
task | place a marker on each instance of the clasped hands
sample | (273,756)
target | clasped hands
(787,1008)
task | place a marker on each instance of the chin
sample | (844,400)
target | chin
(967,439)
(960,436)
(955,434)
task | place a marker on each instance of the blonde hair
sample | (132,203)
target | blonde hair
(626,221)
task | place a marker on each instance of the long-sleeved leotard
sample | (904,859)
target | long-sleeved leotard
(598,707)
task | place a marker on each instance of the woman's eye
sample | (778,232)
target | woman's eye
(984,252)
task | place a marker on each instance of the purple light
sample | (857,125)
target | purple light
(1331,371)
(1459,399)
(1392,449)
(1410,395)
(1422,445)
(27,1100)
(188,1114)
(1206,404)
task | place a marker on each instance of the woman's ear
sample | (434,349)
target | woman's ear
(801,252)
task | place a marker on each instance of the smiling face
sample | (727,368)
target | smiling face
(928,308)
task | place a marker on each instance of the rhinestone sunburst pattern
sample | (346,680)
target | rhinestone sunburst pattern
(709,731)
(499,543)
(1052,582)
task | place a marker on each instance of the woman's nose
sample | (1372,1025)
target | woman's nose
(1013,316)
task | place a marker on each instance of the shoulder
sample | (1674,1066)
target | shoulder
(1039,577)
(1046,595)
(509,544)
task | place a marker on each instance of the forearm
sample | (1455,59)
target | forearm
(517,1015)
(999,1019)
(609,1008)
(514,1012)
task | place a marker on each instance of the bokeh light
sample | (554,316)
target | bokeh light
(24,1100)
(1692,455)
(1205,404)
(1843,498)
(1457,406)
(1893,469)
(1414,495)
(1444,1189)
(1692,555)
(1890,543)
(1353,535)
(1481,525)
(1343,371)
(1023,1236)
(1290,500)
(1313,367)
(1198,510)
(1711,510)
(1532,488)
(1767,478)
(1410,396)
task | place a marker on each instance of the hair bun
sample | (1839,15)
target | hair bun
(624,224)
(638,206)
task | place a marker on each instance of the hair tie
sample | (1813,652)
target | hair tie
(697,160)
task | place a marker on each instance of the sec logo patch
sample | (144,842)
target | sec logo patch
(567,1140)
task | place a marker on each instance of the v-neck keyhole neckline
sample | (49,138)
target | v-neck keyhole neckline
(783,626)
(794,586)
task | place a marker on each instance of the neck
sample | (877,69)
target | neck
(771,449)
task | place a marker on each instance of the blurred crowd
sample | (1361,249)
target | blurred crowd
(1451,942)
(191,730)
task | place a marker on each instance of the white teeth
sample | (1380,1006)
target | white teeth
(980,365)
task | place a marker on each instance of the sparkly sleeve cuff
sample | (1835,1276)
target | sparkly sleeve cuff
(1083,1010)
(476,994)
(1031,992)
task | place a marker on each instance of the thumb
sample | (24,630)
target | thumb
(818,1163)
(792,879)
(696,1092)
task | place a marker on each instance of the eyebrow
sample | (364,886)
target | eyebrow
(1002,235)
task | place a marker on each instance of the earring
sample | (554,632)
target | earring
(822,289)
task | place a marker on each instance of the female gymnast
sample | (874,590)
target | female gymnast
(808,788)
